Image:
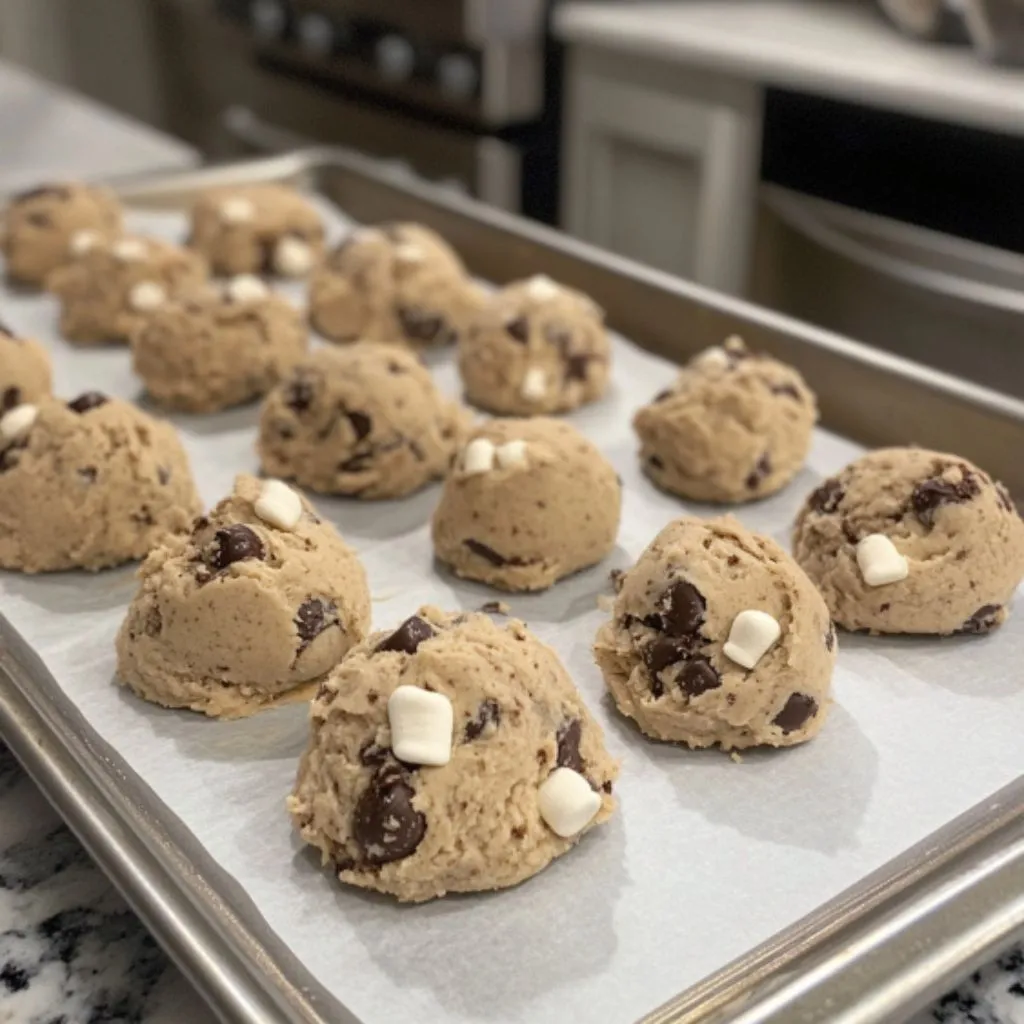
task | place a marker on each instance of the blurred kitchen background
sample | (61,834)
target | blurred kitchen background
(855,163)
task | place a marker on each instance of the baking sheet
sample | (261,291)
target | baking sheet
(706,858)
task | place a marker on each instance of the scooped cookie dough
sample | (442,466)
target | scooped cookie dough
(735,426)
(25,374)
(218,348)
(450,755)
(397,283)
(718,637)
(48,226)
(906,540)
(109,291)
(247,611)
(535,348)
(88,484)
(365,420)
(526,503)
(257,229)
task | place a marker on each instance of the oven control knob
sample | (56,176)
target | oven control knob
(457,75)
(396,58)
(316,34)
(268,19)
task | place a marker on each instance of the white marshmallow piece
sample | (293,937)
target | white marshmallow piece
(246,288)
(535,384)
(751,635)
(147,296)
(18,421)
(714,357)
(278,505)
(541,288)
(879,561)
(236,210)
(567,803)
(292,257)
(511,455)
(421,726)
(478,457)
(82,241)
(129,249)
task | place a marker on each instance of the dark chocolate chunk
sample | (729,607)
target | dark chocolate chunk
(789,390)
(10,455)
(163,475)
(154,623)
(617,577)
(298,394)
(569,736)
(10,398)
(372,754)
(930,495)
(494,608)
(761,469)
(984,620)
(361,423)
(315,615)
(384,823)
(488,713)
(87,401)
(234,544)
(682,609)
(408,637)
(487,553)
(664,651)
(1005,501)
(656,461)
(698,676)
(798,710)
(826,498)
(576,367)
(519,329)
(358,463)
(830,637)
(422,325)
(87,474)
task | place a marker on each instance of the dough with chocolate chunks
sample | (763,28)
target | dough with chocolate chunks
(663,654)
(475,823)
(88,484)
(48,226)
(257,229)
(543,503)
(536,348)
(957,530)
(240,615)
(365,421)
(25,373)
(396,283)
(735,426)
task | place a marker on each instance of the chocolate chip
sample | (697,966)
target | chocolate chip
(10,398)
(798,710)
(10,456)
(358,463)
(827,497)
(487,553)
(617,577)
(487,714)
(984,620)
(830,637)
(662,396)
(1004,499)
(373,755)
(361,423)
(789,390)
(761,469)
(87,401)
(163,475)
(494,608)
(298,394)
(87,474)
(698,676)
(664,651)
(384,823)
(576,367)
(315,615)
(568,737)
(154,623)
(232,544)
(519,329)
(408,637)
(655,461)
(682,609)
(930,495)
(421,325)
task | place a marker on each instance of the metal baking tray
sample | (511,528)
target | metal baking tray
(872,953)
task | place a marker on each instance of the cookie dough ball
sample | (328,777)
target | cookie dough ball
(45,228)
(88,484)
(718,637)
(450,755)
(735,426)
(24,370)
(257,229)
(526,503)
(107,293)
(906,540)
(219,348)
(397,283)
(248,611)
(365,421)
(537,347)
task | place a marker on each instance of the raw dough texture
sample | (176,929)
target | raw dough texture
(662,653)
(365,420)
(240,615)
(523,525)
(735,426)
(396,283)
(48,226)
(92,483)
(535,348)
(110,290)
(958,530)
(474,823)
(211,351)
(257,229)
(24,370)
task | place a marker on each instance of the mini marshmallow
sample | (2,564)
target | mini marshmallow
(129,249)
(236,210)
(879,561)
(292,257)
(511,455)
(567,802)
(478,457)
(716,356)
(751,635)
(541,288)
(18,421)
(409,253)
(146,296)
(246,288)
(421,726)
(278,505)
(535,384)
(82,241)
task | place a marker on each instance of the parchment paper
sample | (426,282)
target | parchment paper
(706,857)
